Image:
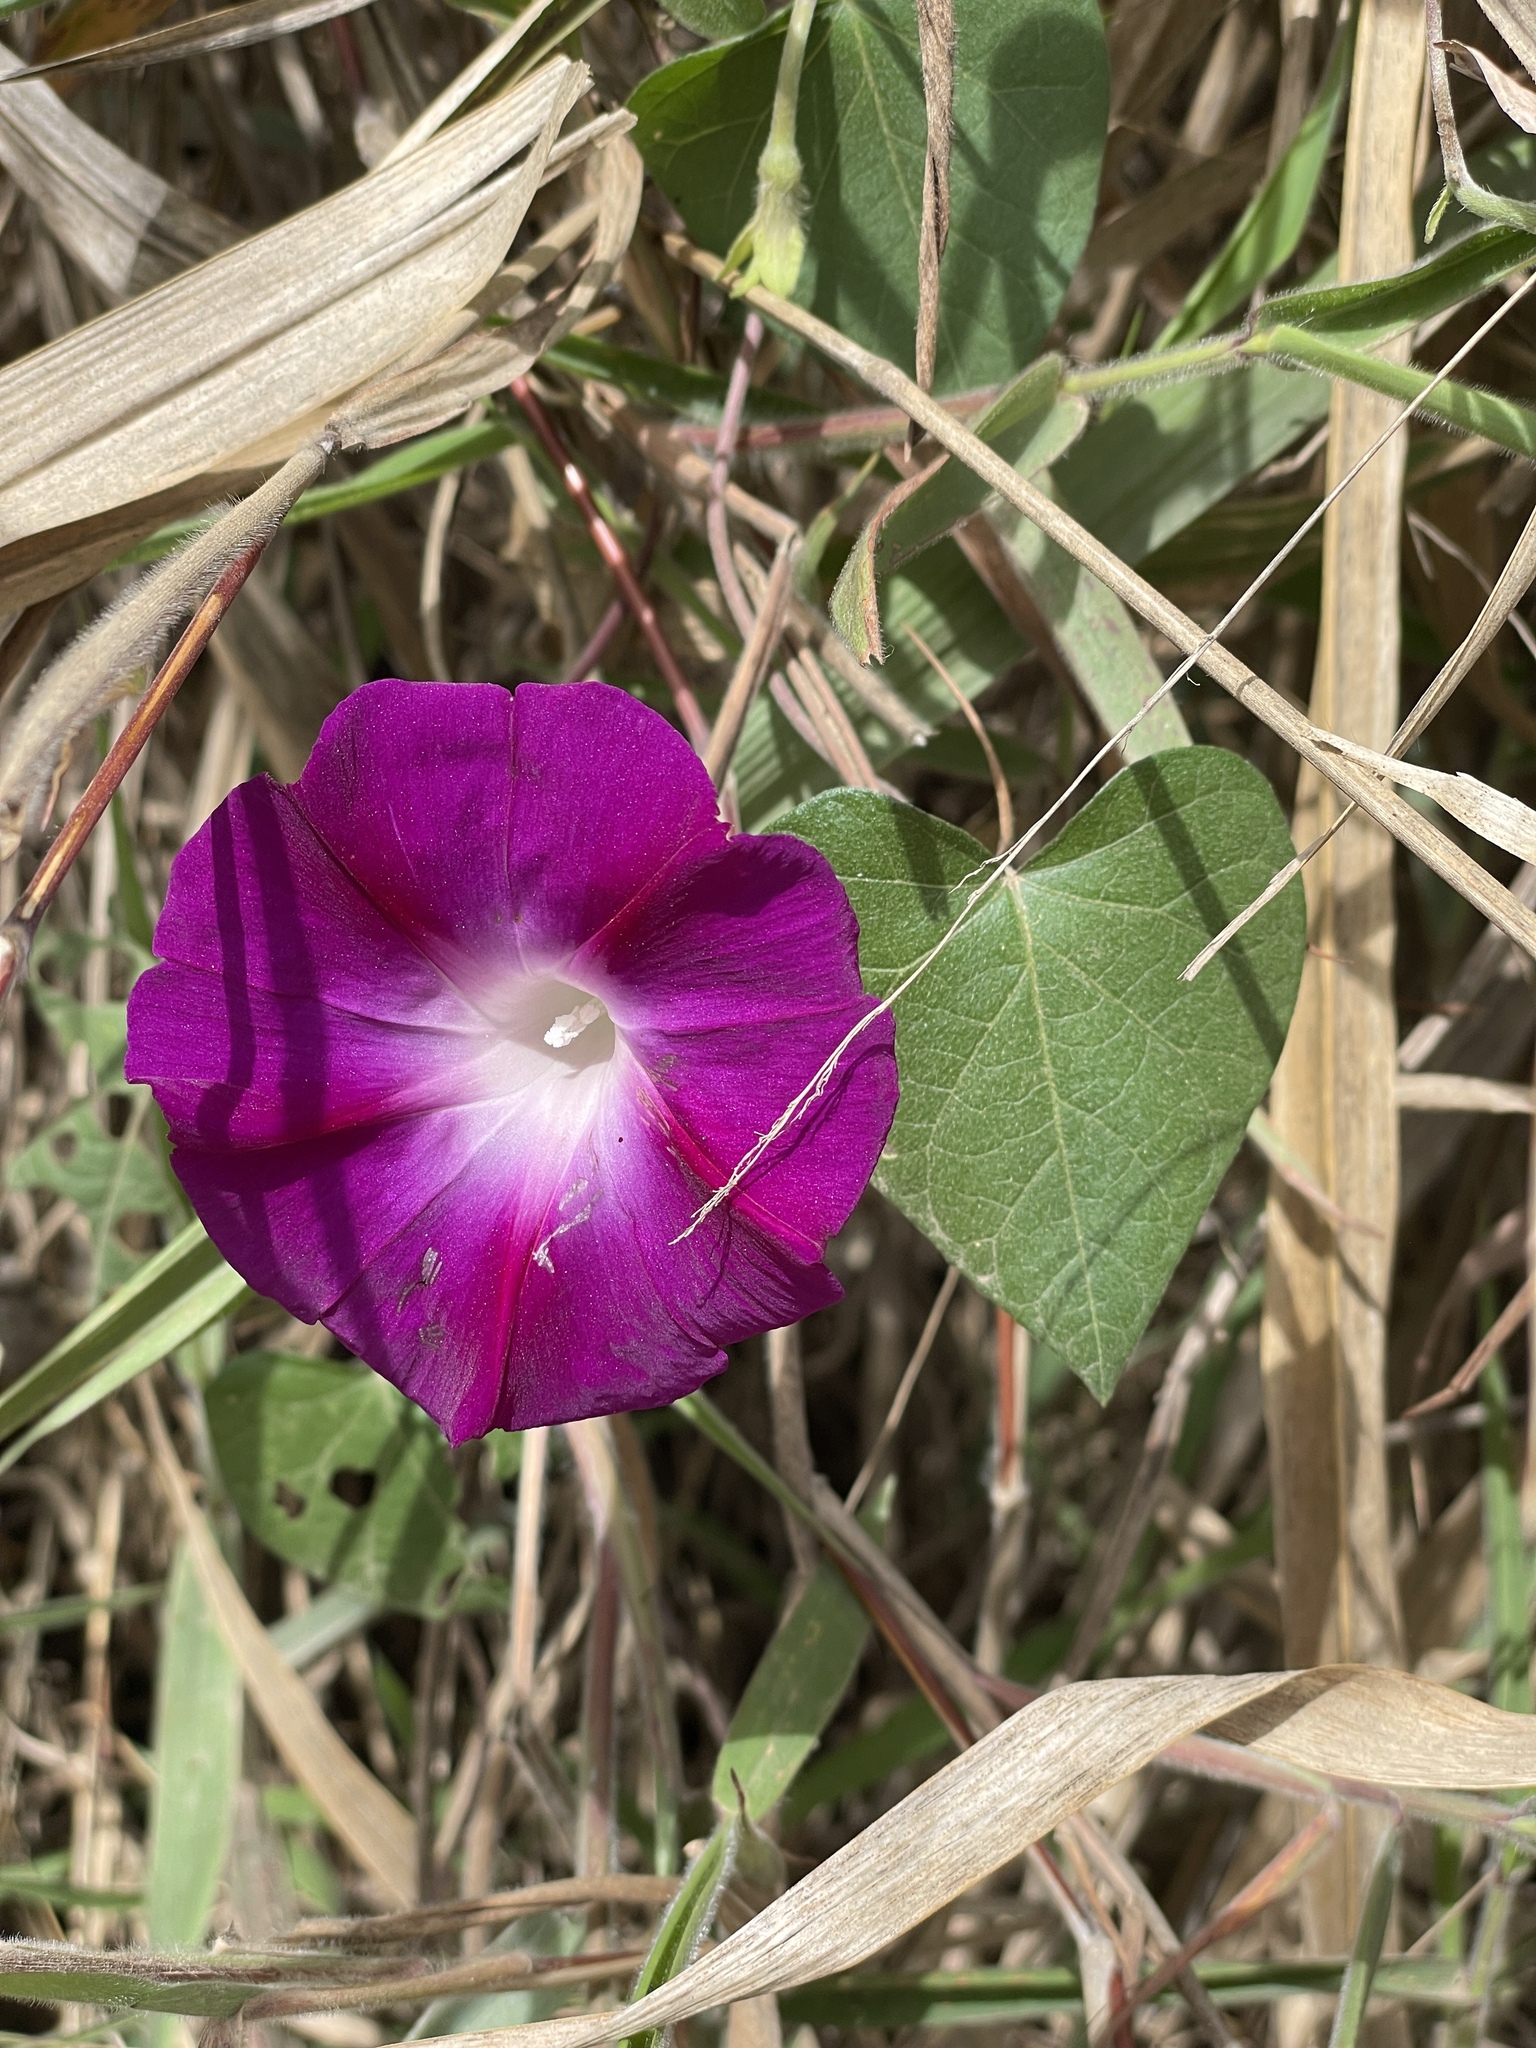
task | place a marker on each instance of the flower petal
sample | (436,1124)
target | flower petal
(610,798)
(732,985)
(409,785)
(301,1221)
(250,1068)
(256,899)
(457,1036)
(542,1283)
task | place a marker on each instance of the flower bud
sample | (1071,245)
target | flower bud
(778,237)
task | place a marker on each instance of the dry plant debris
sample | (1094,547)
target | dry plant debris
(1097,510)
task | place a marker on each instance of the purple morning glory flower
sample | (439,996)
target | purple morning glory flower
(456,1035)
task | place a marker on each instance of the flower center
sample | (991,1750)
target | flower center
(570,1024)
(573,1027)
(549,1033)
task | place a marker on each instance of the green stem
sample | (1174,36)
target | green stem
(786,93)
(1196,359)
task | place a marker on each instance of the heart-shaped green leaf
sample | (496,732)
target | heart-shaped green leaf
(1031,96)
(713,19)
(1068,1104)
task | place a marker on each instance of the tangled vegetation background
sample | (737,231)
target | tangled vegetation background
(939,1639)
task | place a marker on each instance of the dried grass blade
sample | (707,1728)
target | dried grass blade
(1030,1775)
(936,41)
(1514,23)
(1323,1336)
(1491,813)
(1513,581)
(237,362)
(128,228)
(752,666)
(470,364)
(231,28)
(1517,100)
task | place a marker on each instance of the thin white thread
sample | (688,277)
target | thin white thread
(1001,863)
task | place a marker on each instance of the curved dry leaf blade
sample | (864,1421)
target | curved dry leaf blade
(1489,812)
(1516,25)
(1517,100)
(238,361)
(128,228)
(231,28)
(1045,1764)
(391,407)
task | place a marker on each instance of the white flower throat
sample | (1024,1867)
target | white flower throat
(570,1024)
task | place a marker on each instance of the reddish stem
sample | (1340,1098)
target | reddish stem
(917,1666)
(720,475)
(1271,1883)
(589,656)
(20,928)
(611,548)
(1465,1375)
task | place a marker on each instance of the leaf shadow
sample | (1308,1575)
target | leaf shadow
(1233,961)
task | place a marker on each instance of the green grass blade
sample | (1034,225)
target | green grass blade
(418,462)
(671,387)
(688,1919)
(47,1882)
(199,1701)
(134,911)
(994,1997)
(72,1609)
(912,1731)
(791,1696)
(202,1303)
(1355,1991)
(1509,1651)
(51,1973)
(725,1436)
(1272,223)
(152,1293)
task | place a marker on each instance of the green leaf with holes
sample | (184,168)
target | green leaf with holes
(1068,1104)
(1031,101)
(337,1473)
(108,1177)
